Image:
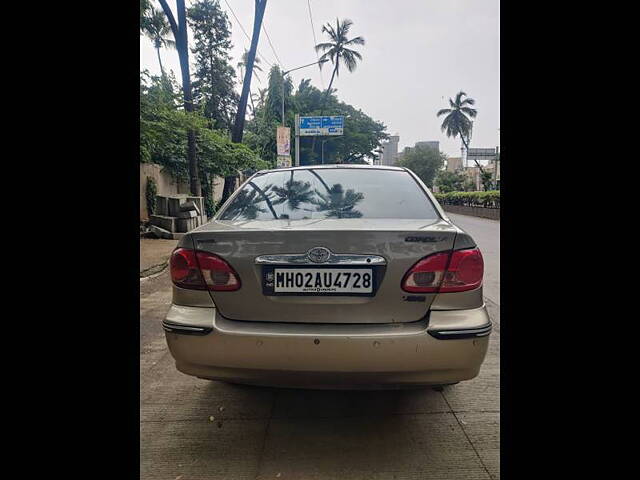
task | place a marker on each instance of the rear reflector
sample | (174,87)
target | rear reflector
(445,272)
(197,270)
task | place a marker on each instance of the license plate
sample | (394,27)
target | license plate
(318,281)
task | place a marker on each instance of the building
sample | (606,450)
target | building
(454,163)
(473,173)
(429,143)
(390,151)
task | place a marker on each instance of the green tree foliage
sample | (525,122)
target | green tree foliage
(487,180)
(214,77)
(457,120)
(362,135)
(163,139)
(145,5)
(448,181)
(424,161)
(337,48)
(156,28)
(150,194)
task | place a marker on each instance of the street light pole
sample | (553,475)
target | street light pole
(285,73)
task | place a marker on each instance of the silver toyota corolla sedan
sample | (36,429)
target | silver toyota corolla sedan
(329,276)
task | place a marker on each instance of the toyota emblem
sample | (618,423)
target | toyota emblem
(319,254)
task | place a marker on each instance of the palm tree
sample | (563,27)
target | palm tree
(256,68)
(156,28)
(339,204)
(336,49)
(294,193)
(243,62)
(457,123)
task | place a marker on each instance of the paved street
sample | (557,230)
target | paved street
(197,429)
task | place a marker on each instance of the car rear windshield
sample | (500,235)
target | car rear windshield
(330,193)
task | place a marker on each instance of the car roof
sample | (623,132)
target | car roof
(338,165)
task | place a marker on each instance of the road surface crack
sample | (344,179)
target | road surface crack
(466,435)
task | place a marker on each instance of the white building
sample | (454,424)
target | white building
(390,151)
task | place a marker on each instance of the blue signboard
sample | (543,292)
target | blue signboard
(332,125)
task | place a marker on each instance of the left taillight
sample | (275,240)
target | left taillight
(196,270)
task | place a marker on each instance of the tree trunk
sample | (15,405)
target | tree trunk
(160,62)
(467,147)
(238,127)
(180,35)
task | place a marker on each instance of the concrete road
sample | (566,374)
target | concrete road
(197,429)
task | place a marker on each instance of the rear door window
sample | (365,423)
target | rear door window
(330,193)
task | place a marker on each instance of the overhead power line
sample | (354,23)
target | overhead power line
(315,42)
(247,35)
(264,29)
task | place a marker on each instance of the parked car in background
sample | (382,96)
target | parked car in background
(329,276)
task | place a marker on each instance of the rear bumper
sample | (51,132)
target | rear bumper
(447,347)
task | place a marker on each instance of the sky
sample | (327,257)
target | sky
(418,54)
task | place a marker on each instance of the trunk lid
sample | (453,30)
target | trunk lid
(401,242)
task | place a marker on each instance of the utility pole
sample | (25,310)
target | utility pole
(287,73)
(497,160)
(238,126)
(297,164)
(297,127)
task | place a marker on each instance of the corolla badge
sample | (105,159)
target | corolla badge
(319,254)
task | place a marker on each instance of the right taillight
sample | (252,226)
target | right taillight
(446,272)
(197,270)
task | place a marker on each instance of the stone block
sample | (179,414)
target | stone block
(199,201)
(188,214)
(163,221)
(190,205)
(160,232)
(162,206)
(174,206)
(186,224)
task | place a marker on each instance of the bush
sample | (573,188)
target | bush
(150,194)
(489,199)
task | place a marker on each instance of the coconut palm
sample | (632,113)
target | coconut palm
(156,28)
(337,49)
(294,193)
(458,119)
(243,62)
(337,203)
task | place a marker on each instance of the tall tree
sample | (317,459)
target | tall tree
(179,30)
(256,68)
(457,120)
(238,127)
(424,161)
(157,29)
(360,141)
(337,50)
(214,77)
(243,62)
(144,18)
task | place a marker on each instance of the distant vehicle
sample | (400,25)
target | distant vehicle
(329,276)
